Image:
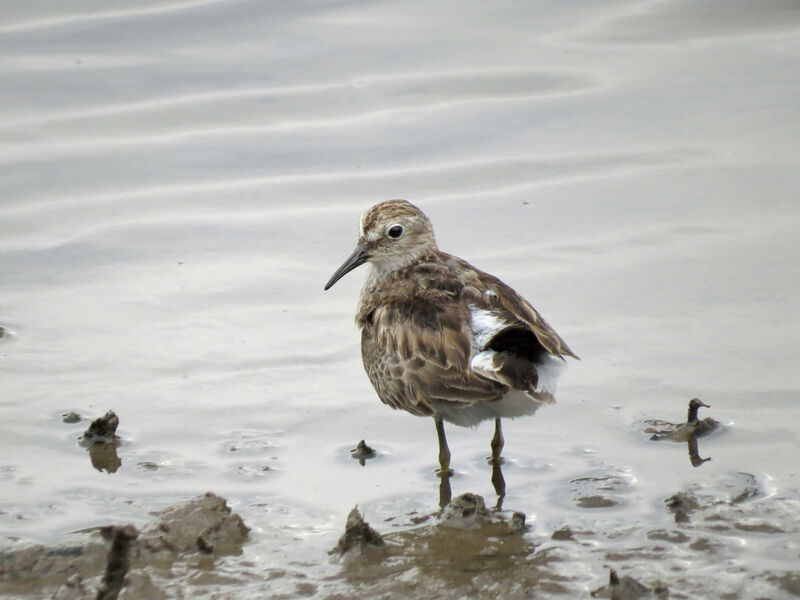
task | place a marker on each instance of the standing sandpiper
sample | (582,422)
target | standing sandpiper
(439,337)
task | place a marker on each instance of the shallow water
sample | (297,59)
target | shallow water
(178,181)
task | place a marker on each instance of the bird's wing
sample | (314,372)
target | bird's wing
(420,354)
(493,295)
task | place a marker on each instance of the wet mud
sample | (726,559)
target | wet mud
(358,536)
(628,588)
(116,560)
(467,549)
(71,417)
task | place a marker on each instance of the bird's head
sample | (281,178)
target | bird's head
(392,234)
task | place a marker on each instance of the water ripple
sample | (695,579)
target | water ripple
(252,112)
(77,19)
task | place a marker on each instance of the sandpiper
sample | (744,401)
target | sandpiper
(441,338)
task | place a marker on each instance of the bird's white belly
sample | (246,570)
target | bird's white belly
(513,404)
(516,403)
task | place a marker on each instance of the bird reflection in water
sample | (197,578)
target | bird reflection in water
(498,481)
(363,452)
(694,453)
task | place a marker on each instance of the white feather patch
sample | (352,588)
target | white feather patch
(484,324)
(549,369)
(483,363)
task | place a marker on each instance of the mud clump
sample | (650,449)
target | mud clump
(73,589)
(602,491)
(786,581)
(119,560)
(71,417)
(362,453)
(357,536)
(673,537)
(467,511)
(102,441)
(461,552)
(102,430)
(628,588)
(563,535)
(116,558)
(204,524)
(731,492)
(682,505)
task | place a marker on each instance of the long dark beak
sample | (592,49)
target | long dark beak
(356,259)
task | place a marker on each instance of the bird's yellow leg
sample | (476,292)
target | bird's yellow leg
(444,451)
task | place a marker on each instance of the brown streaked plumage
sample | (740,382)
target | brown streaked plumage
(441,338)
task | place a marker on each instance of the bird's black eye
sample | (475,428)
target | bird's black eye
(395,231)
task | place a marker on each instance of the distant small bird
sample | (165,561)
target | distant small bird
(689,431)
(439,337)
(680,432)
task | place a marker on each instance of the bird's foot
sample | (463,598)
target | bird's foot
(445,472)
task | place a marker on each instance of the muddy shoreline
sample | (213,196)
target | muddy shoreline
(464,550)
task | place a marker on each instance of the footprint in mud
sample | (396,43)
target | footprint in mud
(730,491)
(250,442)
(251,471)
(252,453)
(600,491)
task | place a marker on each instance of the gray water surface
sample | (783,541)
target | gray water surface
(179,180)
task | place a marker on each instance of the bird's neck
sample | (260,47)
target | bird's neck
(391,267)
(388,280)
